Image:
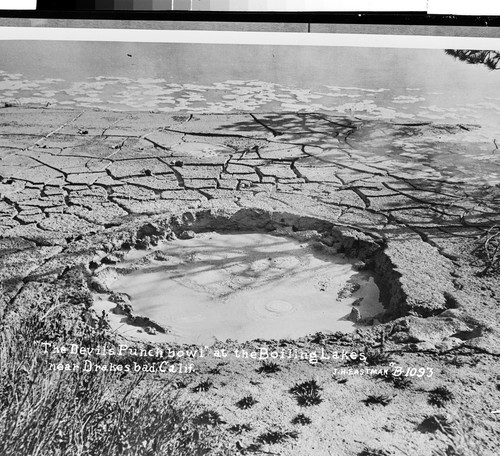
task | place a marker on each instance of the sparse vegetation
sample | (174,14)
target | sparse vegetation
(307,393)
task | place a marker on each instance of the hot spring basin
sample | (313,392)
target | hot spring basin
(240,286)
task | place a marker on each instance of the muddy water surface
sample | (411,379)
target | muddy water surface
(242,287)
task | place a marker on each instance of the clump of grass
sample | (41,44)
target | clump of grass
(64,413)
(301,419)
(378,399)
(89,413)
(401,381)
(240,428)
(398,381)
(208,418)
(307,393)
(268,367)
(440,396)
(202,387)
(246,403)
(275,437)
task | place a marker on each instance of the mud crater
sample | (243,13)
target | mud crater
(203,277)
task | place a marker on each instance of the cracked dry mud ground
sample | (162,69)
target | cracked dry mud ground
(72,181)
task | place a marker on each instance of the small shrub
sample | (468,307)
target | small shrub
(378,399)
(440,396)
(246,403)
(203,386)
(274,437)
(268,367)
(307,393)
(301,419)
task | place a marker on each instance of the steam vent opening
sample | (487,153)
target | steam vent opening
(212,286)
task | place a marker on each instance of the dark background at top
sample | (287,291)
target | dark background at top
(82,9)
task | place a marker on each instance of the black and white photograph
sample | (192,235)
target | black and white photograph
(248,249)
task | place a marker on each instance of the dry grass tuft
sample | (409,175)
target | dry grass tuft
(46,412)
